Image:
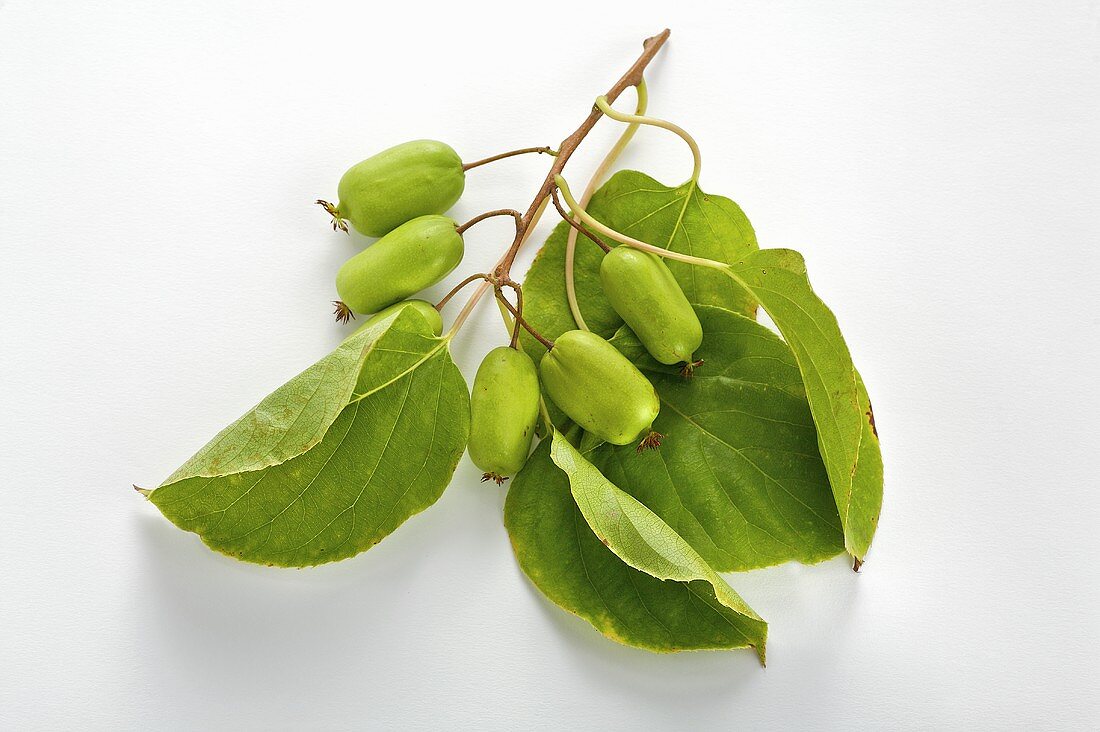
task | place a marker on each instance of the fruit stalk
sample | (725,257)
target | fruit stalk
(490,214)
(518,315)
(545,150)
(457,288)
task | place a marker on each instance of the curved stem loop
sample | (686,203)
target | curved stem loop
(610,233)
(637,119)
(586,196)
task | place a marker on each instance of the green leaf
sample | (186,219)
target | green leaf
(738,474)
(683,219)
(291,419)
(597,552)
(388,452)
(842,413)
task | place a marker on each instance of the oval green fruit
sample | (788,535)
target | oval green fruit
(425,308)
(398,184)
(504,407)
(415,255)
(646,295)
(598,388)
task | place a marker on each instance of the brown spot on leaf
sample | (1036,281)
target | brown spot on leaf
(871,418)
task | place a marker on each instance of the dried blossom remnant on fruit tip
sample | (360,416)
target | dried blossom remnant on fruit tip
(338,223)
(651,441)
(342,312)
(688,369)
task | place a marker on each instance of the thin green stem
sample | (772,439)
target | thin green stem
(637,119)
(568,146)
(610,233)
(586,196)
(468,308)
(576,226)
(544,412)
(510,324)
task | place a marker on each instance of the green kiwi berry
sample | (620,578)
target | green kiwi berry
(397,185)
(646,295)
(504,407)
(415,255)
(599,389)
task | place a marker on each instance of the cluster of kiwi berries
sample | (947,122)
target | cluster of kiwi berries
(401,195)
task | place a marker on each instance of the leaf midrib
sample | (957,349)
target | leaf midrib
(409,370)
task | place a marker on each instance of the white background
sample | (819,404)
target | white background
(163,268)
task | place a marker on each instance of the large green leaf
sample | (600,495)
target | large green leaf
(599,553)
(291,419)
(838,402)
(686,220)
(683,219)
(388,453)
(738,474)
